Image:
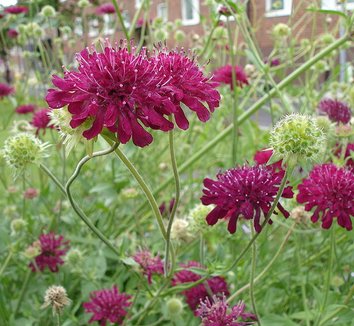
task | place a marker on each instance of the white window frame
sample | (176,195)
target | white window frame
(286,11)
(159,11)
(335,5)
(196,15)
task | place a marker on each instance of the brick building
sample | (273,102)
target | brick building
(195,16)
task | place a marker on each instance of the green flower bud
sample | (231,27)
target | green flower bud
(22,150)
(129,193)
(169,26)
(327,39)
(33,250)
(74,257)
(174,307)
(178,23)
(180,36)
(66,30)
(320,66)
(160,35)
(48,11)
(220,32)
(83,4)
(297,139)
(17,226)
(157,23)
(197,217)
(281,30)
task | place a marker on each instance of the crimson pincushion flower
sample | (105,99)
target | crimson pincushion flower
(183,82)
(244,191)
(12,33)
(330,190)
(108,305)
(223,75)
(336,111)
(53,247)
(121,90)
(16,10)
(150,265)
(194,295)
(216,312)
(26,108)
(41,120)
(106,8)
(5,90)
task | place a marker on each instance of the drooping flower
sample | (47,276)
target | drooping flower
(244,191)
(336,111)
(194,295)
(12,33)
(106,8)
(263,156)
(216,312)
(5,90)
(53,249)
(150,265)
(16,10)
(108,305)
(56,297)
(223,75)
(26,108)
(330,190)
(41,120)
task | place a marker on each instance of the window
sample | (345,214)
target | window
(93,27)
(126,18)
(337,4)
(162,11)
(108,25)
(78,30)
(190,12)
(277,8)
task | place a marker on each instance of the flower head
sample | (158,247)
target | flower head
(223,75)
(217,285)
(41,120)
(330,189)
(108,305)
(106,8)
(56,297)
(245,191)
(53,248)
(216,312)
(336,111)
(30,193)
(22,150)
(26,108)
(5,90)
(16,10)
(297,138)
(150,265)
(12,33)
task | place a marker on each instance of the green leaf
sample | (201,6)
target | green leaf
(328,12)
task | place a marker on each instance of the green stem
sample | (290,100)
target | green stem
(175,205)
(253,272)
(78,211)
(328,280)
(254,108)
(206,46)
(148,193)
(234,97)
(6,262)
(58,319)
(121,21)
(23,291)
(266,269)
(201,249)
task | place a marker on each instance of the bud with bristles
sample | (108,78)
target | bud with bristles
(56,297)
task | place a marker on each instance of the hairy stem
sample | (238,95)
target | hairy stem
(253,272)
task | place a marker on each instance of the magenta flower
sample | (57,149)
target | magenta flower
(30,193)
(262,157)
(331,190)
(150,265)
(216,312)
(108,305)
(16,10)
(223,75)
(106,8)
(12,33)
(347,155)
(121,90)
(26,108)
(163,209)
(245,191)
(335,110)
(183,82)
(53,248)
(41,120)
(217,285)
(5,90)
